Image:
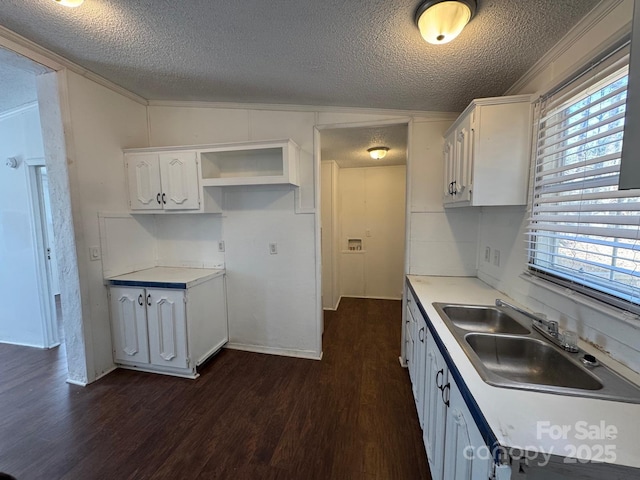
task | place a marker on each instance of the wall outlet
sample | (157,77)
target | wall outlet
(273,248)
(94,253)
(367,233)
(221,246)
(487,254)
(496,258)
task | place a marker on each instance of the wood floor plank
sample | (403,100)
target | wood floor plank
(248,416)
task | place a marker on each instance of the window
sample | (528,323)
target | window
(583,232)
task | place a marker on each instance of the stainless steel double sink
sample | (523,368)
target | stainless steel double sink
(507,352)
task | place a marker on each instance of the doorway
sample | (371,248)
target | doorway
(46,258)
(363,212)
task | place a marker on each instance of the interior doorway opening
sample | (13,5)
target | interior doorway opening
(30,284)
(363,212)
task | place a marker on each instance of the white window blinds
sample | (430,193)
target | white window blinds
(583,233)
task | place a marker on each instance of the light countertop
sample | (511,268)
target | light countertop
(518,417)
(165,277)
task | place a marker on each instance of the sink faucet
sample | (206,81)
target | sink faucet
(547,327)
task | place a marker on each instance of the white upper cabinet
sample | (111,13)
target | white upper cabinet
(163,181)
(486,153)
(630,163)
(188,179)
(179,176)
(143,173)
(250,163)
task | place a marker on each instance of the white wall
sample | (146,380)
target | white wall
(441,241)
(502,228)
(371,207)
(328,171)
(21,319)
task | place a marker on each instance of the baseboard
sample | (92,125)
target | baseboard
(371,298)
(76,382)
(30,345)
(104,374)
(403,364)
(274,351)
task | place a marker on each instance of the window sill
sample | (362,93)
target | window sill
(628,318)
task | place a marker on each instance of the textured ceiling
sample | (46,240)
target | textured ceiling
(348,146)
(362,53)
(17,80)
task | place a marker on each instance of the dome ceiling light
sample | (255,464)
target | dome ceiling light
(377,153)
(440,21)
(69,3)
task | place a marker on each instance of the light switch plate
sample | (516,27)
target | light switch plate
(221,246)
(273,248)
(94,253)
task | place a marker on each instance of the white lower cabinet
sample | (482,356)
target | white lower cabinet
(168,330)
(435,409)
(465,454)
(418,351)
(454,445)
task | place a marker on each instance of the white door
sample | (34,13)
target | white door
(45,208)
(167,323)
(143,172)
(179,174)
(129,324)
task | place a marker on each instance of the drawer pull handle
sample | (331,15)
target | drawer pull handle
(446,388)
(438,382)
(140,302)
(149,300)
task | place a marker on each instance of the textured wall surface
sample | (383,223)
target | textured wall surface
(332,52)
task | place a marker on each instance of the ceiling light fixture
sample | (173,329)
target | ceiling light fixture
(69,3)
(440,21)
(377,152)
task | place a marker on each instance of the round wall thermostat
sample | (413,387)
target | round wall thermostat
(12,162)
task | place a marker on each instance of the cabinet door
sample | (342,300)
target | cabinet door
(410,345)
(179,174)
(463,159)
(420,360)
(167,328)
(129,325)
(435,409)
(466,456)
(143,173)
(449,170)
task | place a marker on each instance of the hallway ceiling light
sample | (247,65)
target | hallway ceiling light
(69,3)
(440,21)
(378,152)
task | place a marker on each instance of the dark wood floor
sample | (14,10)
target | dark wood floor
(249,416)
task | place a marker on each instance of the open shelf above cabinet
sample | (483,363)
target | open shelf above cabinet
(259,163)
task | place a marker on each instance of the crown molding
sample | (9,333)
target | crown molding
(572,37)
(49,59)
(301,108)
(17,110)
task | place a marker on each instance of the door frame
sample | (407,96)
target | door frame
(50,337)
